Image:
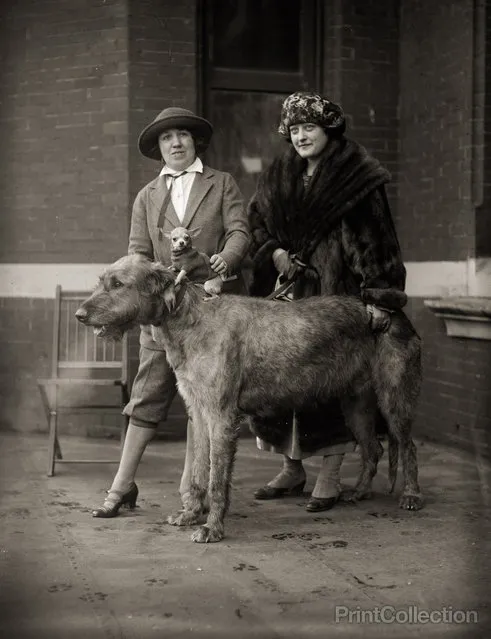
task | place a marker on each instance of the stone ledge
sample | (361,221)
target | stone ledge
(468,317)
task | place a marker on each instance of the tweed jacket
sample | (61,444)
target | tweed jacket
(215,205)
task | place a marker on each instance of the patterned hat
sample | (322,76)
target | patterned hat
(302,107)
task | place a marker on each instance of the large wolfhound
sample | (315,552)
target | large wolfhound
(239,358)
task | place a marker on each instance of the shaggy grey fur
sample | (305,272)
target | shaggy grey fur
(239,358)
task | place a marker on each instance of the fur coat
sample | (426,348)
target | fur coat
(340,225)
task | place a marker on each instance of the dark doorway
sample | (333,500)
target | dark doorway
(254,53)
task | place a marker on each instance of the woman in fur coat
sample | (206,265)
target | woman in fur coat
(321,224)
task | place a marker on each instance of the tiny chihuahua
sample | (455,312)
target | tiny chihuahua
(194,263)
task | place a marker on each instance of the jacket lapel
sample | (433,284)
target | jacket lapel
(201,185)
(159,197)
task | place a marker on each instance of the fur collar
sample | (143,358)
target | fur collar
(300,217)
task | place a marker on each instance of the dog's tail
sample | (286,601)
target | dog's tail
(393,460)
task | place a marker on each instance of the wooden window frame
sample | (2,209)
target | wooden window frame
(219,78)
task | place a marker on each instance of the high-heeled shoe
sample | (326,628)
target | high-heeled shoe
(270,492)
(128,499)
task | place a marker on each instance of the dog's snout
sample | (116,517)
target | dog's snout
(81,314)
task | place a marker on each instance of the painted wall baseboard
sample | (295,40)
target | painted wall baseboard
(40,280)
(424,279)
(449,279)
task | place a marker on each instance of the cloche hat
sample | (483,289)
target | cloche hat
(173,118)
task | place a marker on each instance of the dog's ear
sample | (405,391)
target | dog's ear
(195,232)
(167,235)
(162,284)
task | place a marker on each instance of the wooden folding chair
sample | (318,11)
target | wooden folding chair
(81,364)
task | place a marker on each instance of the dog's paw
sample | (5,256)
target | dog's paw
(353,495)
(346,495)
(206,535)
(411,502)
(183,518)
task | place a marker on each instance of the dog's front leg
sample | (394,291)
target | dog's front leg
(185,483)
(194,505)
(223,445)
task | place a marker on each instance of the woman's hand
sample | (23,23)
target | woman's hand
(218,264)
(379,319)
(283,263)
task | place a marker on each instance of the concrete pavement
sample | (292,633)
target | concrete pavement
(356,571)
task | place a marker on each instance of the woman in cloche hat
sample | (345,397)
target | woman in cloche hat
(190,194)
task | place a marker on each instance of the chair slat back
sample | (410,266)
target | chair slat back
(77,351)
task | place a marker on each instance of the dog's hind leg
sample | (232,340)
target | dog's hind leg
(195,504)
(395,411)
(360,414)
(393,460)
(398,381)
(411,498)
(223,446)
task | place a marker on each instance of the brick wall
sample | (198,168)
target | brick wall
(64,131)
(455,403)
(25,338)
(361,71)
(26,335)
(64,161)
(436,215)
(482,119)
(331,51)
(404,74)
(436,210)
(79,81)
(162,70)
